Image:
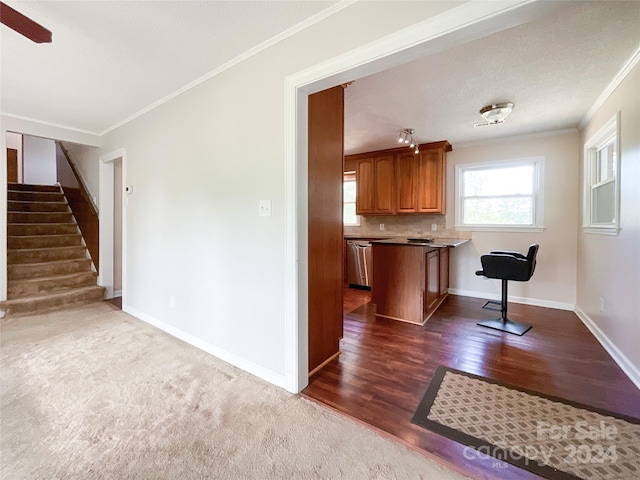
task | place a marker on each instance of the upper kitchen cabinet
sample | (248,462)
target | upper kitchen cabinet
(407,167)
(431,178)
(375,185)
(397,181)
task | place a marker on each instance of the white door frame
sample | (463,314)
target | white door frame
(461,24)
(105,270)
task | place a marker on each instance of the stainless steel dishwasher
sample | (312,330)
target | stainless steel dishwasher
(359,267)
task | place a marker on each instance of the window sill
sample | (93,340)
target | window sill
(601,230)
(505,229)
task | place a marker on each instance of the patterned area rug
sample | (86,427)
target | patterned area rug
(549,436)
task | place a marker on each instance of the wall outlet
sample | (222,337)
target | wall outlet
(601,304)
(382,226)
(172,301)
(434,227)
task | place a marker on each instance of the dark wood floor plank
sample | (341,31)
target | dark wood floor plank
(386,366)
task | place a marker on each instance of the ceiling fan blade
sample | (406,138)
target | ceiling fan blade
(23,25)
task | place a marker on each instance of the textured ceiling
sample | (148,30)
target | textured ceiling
(553,69)
(111,59)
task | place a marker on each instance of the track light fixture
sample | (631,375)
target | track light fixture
(406,137)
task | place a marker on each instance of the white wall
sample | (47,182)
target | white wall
(14,141)
(553,283)
(86,159)
(609,266)
(39,161)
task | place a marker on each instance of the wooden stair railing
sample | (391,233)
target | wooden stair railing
(83,208)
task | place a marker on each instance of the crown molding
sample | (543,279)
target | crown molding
(239,59)
(631,62)
(48,124)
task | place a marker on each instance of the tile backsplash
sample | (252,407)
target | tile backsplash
(404,226)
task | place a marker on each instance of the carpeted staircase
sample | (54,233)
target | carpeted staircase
(48,267)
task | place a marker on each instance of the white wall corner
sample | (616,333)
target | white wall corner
(620,358)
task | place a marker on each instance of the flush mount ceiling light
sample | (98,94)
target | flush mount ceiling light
(495,114)
(406,137)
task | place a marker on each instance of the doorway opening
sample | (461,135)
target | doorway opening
(111,273)
(456,26)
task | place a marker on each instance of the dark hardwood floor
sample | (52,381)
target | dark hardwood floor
(386,365)
(115,301)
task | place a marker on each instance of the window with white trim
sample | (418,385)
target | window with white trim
(349,216)
(601,180)
(503,195)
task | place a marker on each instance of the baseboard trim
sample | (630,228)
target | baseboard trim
(620,358)
(323,364)
(117,293)
(235,360)
(523,300)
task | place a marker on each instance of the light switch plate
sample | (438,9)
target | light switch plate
(264,208)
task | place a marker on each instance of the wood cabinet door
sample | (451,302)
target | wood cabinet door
(431,181)
(432,280)
(444,271)
(384,196)
(406,183)
(326,133)
(365,186)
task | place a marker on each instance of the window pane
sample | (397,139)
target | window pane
(350,217)
(510,180)
(349,191)
(603,203)
(606,163)
(498,211)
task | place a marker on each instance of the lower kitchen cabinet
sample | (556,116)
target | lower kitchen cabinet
(409,281)
(444,271)
(431,280)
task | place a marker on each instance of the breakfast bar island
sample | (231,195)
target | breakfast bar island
(410,277)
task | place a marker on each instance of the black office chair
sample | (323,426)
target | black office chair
(507,266)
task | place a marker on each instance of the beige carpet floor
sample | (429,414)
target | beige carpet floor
(93,393)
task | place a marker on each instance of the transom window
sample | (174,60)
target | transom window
(601,183)
(499,196)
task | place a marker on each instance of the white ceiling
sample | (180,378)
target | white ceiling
(110,60)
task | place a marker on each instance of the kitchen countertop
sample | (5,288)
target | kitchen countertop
(437,242)
(368,237)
